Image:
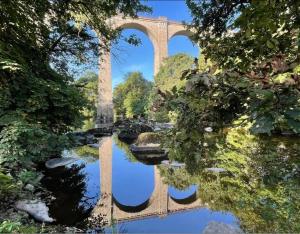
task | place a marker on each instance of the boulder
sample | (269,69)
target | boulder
(99,132)
(127,135)
(37,209)
(147,149)
(59,162)
(215,169)
(128,130)
(173,164)
(29,187)
(221,228)
(163,126)
(208,129)
(147,138)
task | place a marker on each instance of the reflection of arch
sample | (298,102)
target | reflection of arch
(187,200)
(160,203)
(159,31)
(131,209)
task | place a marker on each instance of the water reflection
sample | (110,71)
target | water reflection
(158,203)
(129,195)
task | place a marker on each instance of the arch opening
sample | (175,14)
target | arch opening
(186,45)
(124,174)
(129,58)
(187,196)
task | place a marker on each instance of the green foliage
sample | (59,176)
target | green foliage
(248,36)
(89,85)
(131,97)
(31,177)
(87,152)
(21,143)
(39,43)
(125,147)
(155,109)
(171,70)
(8,226)
(178,178)
(264,52)
(260,184)
(7,185)
(167,79)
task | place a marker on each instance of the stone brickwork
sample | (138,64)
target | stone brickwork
(159,31)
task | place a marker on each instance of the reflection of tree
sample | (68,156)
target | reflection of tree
(68,186)
(178,178)
(87,152)
(261,185)
(125,148)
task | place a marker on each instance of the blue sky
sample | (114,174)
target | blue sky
(127,58)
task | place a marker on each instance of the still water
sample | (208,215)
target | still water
(124,195)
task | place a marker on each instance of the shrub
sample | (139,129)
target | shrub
(22,143)
(8,226)
(7,185)
(27,176)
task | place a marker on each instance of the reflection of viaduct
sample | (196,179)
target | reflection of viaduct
(159,31)
(159,204)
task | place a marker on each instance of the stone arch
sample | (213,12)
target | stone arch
(176,29)
(140,27)
(159,31)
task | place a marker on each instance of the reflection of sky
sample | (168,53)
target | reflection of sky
(193,221)
(133,183)
(181,194)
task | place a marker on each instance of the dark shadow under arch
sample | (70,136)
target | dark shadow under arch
(131,209)
(184,201)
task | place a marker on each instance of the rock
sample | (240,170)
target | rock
(163,126)
(36,209)
(208,129)
(94,145)
(147,138)
(173,164)
(99,132)
(127,136)
(83,138)
(221,228)
(146,149)
(59,162)
(129,130)
(148,152)
(90,139)
(29,187)
(216,169)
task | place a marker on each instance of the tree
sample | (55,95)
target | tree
(39,99)
(89,85)
(167,79)
(255,44)
(131,97)
(248,36)
(171,70)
